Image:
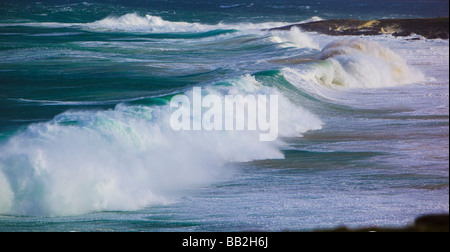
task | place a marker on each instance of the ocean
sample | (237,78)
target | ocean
(87,143)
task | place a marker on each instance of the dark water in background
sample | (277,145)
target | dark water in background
(84,87)
(212,12)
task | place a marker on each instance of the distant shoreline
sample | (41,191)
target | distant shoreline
(430,28)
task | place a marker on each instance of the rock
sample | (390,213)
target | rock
(432,223)
(430,28)
(426,223)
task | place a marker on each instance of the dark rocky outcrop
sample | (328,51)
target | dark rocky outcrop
(430,28)
(426,223)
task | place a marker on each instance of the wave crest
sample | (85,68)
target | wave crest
(133,22)
(360,63)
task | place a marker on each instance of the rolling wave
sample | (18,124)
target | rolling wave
(365,64)
(129,157)
(133,22)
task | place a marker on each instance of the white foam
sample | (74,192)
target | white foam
(133,22)
(359,63)
(295,37)
(305,79)
(42,24)
(293,119)
(230,6)
(129,157)
(6,195)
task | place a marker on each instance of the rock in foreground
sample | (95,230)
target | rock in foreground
(426,223)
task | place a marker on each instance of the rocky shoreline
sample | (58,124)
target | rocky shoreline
(427,223)
(430,28)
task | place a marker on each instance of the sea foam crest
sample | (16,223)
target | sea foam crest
(148,23)
(133,22)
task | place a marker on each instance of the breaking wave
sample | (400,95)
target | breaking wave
(359,63)
(129,157)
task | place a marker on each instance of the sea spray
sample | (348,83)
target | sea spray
(295,37)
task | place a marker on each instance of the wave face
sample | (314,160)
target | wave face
(127,156)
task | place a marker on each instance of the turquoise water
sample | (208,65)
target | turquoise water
(86,145)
